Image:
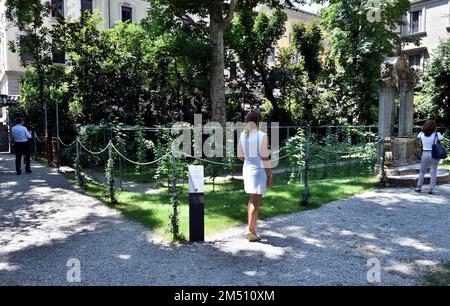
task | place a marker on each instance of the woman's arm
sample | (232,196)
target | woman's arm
(440,138)
(240,151)
(266,160)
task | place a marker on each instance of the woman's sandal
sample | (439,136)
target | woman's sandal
(252,237)
(418,190)
(430,191)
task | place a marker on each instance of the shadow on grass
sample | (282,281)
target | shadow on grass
(227,206)
(439,276)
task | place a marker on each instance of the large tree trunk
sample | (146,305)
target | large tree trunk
(217,90)
(268,93)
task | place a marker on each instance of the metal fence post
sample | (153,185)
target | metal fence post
(174,200)
(305,196)
(78,174)
(383,176)
(35,146)
(58,153)
(110,174)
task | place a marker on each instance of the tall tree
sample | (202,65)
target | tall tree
(308,42)
(180,58)
(358,46)
(33,44)
(214,17)
(252,38)
(436,84)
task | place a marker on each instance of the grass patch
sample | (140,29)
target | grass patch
(146,175)
(228,209)
(440,276)
(445,165)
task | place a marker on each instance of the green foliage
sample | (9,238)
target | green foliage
(308,41)
(109,174)
(141,143)
(55,90)
(174,217)
(119,138)
(437,276)
(251,38)
(296,149)
(345,145)
(424,108)
(228,210)
(163,150)
(77,165)
(94,138)
(44,83)
(436,85)
(358,47)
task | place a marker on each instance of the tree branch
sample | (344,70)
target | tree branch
(227,20)
(187,20)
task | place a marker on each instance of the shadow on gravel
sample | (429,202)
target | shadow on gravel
(327,246)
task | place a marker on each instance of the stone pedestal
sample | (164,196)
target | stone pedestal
(403,151)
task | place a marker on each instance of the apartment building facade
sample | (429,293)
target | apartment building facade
(428,20)
(110,10)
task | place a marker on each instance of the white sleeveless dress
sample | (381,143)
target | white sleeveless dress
(255,177)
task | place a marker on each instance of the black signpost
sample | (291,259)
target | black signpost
(196,204)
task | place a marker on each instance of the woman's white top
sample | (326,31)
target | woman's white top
(427,142)
(255,177)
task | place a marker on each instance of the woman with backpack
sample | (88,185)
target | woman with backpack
(429,137)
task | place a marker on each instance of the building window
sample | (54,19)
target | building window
(57,8)
(59,57)
(233,70)
(415,60)
(273,56)
(86,5)
(26,46)
(127,13)
(415,22)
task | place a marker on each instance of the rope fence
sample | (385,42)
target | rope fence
(123,160)
(315,153)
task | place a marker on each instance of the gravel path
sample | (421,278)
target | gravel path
(45,221)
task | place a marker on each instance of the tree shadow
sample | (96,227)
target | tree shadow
(327,246)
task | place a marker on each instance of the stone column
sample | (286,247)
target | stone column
(386,113)
(388,88)
(406,84)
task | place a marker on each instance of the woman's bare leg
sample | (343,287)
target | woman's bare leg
(253,211)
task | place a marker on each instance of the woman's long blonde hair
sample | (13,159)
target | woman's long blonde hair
(253,116)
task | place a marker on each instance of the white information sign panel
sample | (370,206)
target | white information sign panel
(196,179)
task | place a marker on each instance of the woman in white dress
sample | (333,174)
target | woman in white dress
(257,172)
(429,136)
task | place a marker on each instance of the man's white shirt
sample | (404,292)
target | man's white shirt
(20,133)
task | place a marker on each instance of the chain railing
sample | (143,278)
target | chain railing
(309,155)
(315,157)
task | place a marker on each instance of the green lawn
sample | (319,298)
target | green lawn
(227,209)
(445,165)
(440,276)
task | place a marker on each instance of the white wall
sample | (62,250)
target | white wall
(436,24)
(110,10)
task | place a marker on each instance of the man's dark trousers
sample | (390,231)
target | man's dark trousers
(22,149)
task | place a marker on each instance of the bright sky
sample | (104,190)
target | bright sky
(313,8)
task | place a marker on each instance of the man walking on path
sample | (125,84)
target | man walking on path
(21,137)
